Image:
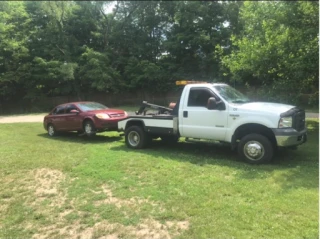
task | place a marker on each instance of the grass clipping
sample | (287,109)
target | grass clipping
(47,191)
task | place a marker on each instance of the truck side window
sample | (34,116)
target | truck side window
(199,97)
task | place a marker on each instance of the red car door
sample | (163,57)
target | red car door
(73,120)
(57,117)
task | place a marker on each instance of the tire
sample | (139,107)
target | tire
(88,128)
(51,130)
(136,138)
(255,149)
(169,139)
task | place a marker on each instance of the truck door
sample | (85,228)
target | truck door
(197,121)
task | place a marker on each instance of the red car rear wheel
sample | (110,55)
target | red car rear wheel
(51,130)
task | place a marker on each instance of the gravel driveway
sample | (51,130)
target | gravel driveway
(22,118)
(312,115)
(39,118)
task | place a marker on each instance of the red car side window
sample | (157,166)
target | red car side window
(59,110)
(70,107)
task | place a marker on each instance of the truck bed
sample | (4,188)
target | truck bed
(154,124)
(159,116)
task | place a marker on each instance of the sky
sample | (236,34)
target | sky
(109,7)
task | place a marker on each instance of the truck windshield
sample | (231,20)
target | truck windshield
(231,95)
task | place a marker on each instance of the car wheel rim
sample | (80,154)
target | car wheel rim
(51,130)
(254,150)
(134,138)
(88,128)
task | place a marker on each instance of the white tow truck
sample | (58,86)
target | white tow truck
(218,112)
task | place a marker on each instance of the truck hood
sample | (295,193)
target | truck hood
(272,108)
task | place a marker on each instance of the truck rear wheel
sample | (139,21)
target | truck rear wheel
(136,138)
(255,149)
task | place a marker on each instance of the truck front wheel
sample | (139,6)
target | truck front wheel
(136,138)
(255,149)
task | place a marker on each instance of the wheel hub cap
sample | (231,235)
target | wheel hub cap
(254,150)
(51,130)
(88,129)
(133,138)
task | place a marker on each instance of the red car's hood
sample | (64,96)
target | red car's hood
(107,111)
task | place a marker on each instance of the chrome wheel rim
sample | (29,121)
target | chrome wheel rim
(88,128)
(51,130)
(133,138)
(254,150)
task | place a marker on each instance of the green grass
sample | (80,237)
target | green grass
(130,108)
(97,186)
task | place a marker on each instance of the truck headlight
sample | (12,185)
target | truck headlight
(285,122)
(102,116)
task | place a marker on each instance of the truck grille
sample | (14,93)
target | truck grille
(299,120)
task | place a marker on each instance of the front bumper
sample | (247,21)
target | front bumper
(107,125)
(287,137)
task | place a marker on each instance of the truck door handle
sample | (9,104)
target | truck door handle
(185,114)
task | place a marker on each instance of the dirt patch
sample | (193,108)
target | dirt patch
(46,185)
(47,181)
(3,207)
(135,201)
(43,191)
(151,228)
(147,228)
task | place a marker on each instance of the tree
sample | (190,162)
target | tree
(96,72)
(137,42)
(51,50)
(278,47)
(14,53)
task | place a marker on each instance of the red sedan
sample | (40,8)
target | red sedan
(84,117)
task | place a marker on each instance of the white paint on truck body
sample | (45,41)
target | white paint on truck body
(148,121)
(200,122)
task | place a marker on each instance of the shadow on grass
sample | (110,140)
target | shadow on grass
(293,168)
(186,152)
(76,138)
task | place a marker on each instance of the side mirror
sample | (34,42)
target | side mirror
(74,111)
(212,103)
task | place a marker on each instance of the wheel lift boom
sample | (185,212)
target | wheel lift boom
(145,104)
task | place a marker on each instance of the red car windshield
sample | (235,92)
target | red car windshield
(88,106)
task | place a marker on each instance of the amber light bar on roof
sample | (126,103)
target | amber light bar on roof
(186,82)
